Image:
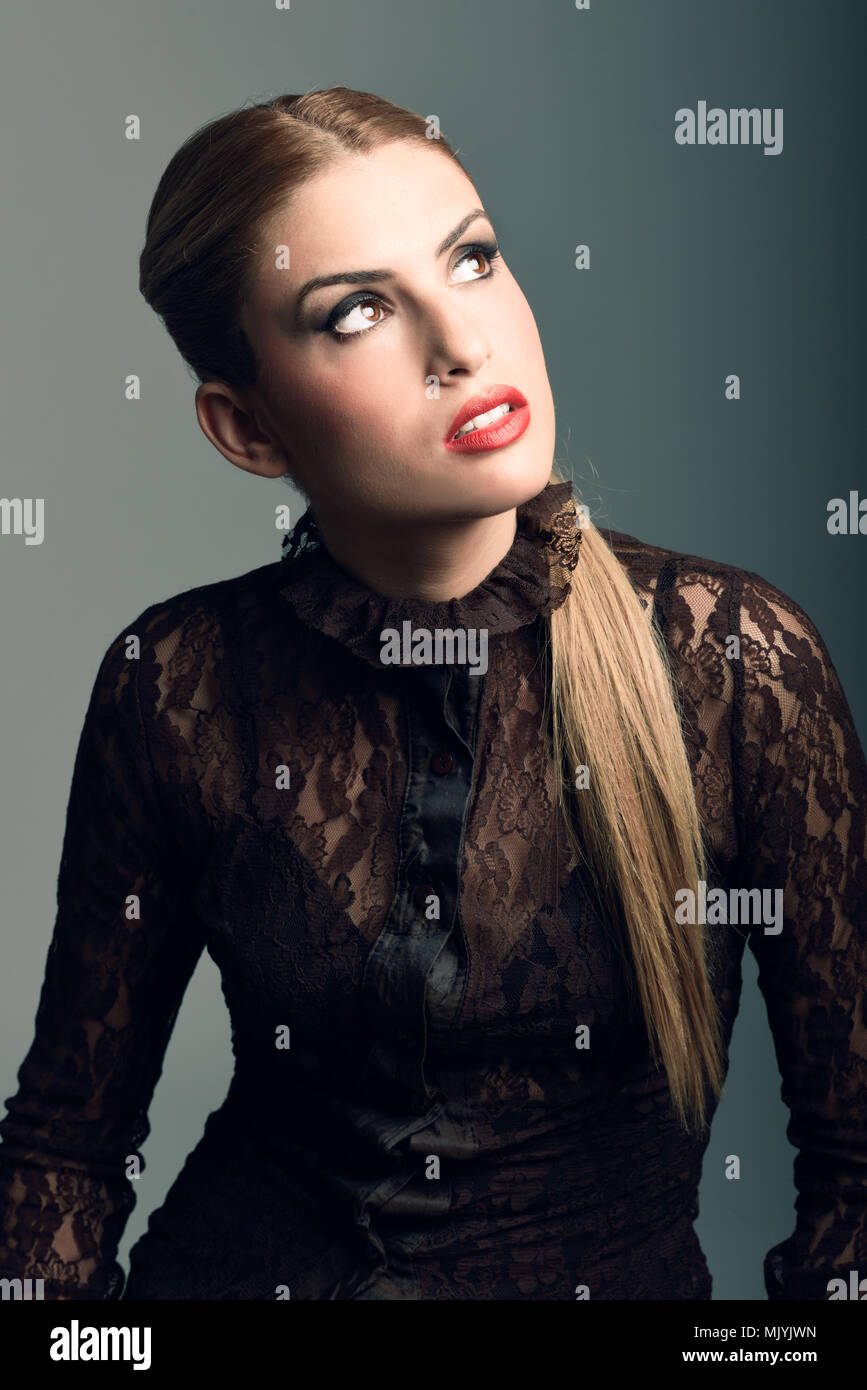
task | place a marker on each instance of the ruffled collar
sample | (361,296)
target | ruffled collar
(532,579)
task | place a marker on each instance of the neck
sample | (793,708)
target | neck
(432,561)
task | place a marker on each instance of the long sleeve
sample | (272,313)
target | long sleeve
(801,789)
(122,952)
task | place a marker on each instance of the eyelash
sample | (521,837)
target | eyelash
(489,249)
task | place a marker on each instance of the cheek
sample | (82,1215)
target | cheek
(521,326)
(363,408)
(350,415)
(327,410)
(507,321)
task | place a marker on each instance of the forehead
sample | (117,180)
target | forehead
(364,211)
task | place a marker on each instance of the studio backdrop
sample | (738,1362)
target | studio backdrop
(676,187)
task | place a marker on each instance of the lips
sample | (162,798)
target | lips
(487,400)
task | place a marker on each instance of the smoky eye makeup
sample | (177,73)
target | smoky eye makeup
(489,250)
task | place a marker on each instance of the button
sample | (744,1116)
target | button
(422,893)
(442,762)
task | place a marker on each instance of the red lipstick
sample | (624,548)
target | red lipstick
(498,432)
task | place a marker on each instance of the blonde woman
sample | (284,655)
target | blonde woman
(474,805)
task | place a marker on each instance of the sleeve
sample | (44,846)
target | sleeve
(801,793)
(123,949)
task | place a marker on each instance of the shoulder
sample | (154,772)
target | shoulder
(178,638)
(704,603)
(764,612)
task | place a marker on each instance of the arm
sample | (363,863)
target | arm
(112,987)
(801,795)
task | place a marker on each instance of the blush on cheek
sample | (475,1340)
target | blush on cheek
(365,421)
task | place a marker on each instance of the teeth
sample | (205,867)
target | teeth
(486,419)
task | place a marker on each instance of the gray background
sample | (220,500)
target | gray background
(705,261)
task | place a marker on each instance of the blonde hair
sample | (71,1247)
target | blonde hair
(612,700)
(613,709)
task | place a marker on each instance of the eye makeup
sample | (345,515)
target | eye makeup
(488,249)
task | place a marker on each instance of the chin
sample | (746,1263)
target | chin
(496,483)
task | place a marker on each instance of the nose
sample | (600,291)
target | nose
(458,345)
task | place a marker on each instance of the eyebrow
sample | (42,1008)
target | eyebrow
(357,277)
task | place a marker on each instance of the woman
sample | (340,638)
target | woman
(474,807)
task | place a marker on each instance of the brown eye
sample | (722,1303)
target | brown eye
(470,258)
(480,258)
(364,308)
(482,253)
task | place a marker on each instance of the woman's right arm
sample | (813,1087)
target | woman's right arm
(124,946)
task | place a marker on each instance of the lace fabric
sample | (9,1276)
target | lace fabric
(531,581)
(372,858)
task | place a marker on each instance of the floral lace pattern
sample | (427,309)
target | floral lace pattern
(260,786)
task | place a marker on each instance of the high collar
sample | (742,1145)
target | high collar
(532,579)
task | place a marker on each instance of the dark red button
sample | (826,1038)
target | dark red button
(442,762)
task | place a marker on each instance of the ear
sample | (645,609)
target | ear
(231,422)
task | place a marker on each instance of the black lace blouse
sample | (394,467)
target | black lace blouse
(370,854)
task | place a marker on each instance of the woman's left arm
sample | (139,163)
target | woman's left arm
(801,803)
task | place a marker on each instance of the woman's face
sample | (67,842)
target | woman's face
(364,379)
